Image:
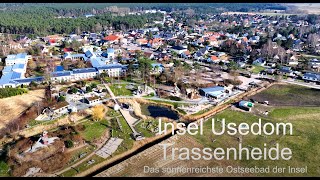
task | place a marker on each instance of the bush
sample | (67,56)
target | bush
(73,90)
(174,98)
(33,84)
(89,89)
(68,143)
(93,85)
(61,98)
(8,92)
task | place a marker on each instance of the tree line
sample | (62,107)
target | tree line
(43,21)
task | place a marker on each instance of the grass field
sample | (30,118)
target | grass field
(289,95)
(120,90)
(149,131)
(257,69)
(304,142)
(4,169)
(93,129)
(124,134)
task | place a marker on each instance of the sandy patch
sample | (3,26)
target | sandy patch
(12,107)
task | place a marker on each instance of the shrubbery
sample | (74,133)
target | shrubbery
(68,143)
(8,92)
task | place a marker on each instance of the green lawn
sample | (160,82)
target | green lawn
(124,134)
(175,104)
(149,131)
(112,113)
(76,154)
(304,143)
(93,129)
(4,169)
(257,69)
(202,111)
(120,90)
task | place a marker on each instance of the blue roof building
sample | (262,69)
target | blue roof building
(84,70)
(215,92)
(59,68)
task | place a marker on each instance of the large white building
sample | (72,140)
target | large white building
(21,58)
(74,75)
(16,67)
(112,70)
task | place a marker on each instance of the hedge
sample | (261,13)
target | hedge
(8,92)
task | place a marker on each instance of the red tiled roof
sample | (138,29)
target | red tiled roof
(142,41)
(111,38)
(67,49)
(212,38)
(214,58)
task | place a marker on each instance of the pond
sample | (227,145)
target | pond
(159,111)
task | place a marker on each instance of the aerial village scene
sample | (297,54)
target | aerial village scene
(83,85)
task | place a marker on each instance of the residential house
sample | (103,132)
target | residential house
(311,76)
(259,62)
(157,68)
(111,39)
(293,60)
(314,63)
(178,49)
(92,101)
(254,39)
(155,43)
(213,59)
(142,41)
(286,71)
(60,108)
(148,55)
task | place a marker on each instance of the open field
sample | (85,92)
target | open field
(304,142)
(120,90)
(153,157)
(257,69)
(289,95)
(93,129)
(11,107)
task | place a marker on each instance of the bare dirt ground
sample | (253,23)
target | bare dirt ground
(12,107)
(153,157)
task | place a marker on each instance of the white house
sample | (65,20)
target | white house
(21,58)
